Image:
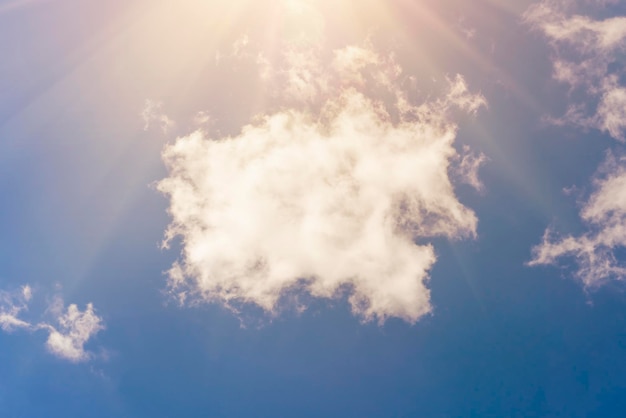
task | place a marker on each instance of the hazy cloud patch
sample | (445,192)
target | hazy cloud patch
(153,116)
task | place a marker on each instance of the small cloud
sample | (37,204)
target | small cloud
(467,168)
(464,29)
(594,252)
(74,329)
(27,293)
(589,57)
(9,322)
(203,118)
(331,200)
(65,340)
(152,115)
(12,304)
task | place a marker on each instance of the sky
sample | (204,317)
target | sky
(382,208)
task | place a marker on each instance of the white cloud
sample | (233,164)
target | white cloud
(589,56)
(605,214)
(27,293)
(67,340)
(343,199)
(152,115)
(11,305)
(467,170)
(74,330)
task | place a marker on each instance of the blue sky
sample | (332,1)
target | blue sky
(404,208)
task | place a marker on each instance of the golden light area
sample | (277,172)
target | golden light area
(167,48)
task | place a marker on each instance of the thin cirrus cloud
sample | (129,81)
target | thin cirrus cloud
(590,57)
(69,331)
(337,199)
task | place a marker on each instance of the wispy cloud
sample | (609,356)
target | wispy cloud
(342,199)
(589,56)
(67,338)
(605,215)
(11,305)
(153,115)
(74,329)
(468,167)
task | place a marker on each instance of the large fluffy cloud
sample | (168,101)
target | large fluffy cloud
(339,200)
(67,339)
(605,213)
(589,56)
